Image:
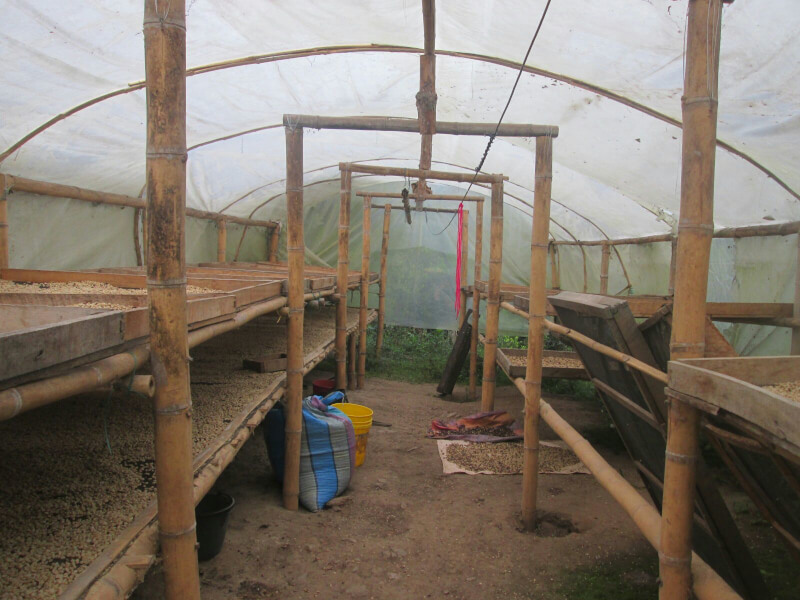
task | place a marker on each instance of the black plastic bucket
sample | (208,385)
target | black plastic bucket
(212,522)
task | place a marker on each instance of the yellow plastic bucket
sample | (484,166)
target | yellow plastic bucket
(361,416)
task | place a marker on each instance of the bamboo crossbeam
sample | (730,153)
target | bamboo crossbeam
(493,298)
(626,359)
(398,196)
(295,250)
(417,173)
(362,312)
(424,209)
(708,585)
(412,126)
(343,252)
(57,190)
(165,67)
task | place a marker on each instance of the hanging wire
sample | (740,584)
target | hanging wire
(505,109)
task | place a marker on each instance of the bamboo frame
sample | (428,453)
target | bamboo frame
(341,279)
(412,126)
(795,347)
(165,66)
(274,240)
(222,240)
(387,216)
(699,105)
(352,345)
(4,242)
(476,305)
(462,295)
(423,209)
(672,256)
(426,98)
(604,264)
(538,302)
(295,249)
(362,313)
(398,196)
(555,276)
(420,173)
(493,298)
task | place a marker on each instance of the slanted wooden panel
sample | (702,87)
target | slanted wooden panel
(611,322)
(455,362)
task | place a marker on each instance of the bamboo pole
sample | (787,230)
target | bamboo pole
(672,256)
(222,240)
(137,245)
(352,342)
(448,211)
(274,239)
(476,305)
(606,259)
(341,279)
(538,307)
(398,196)
(4,252)
(295,250)
(462,295)
(412,126)
(493,298)
(555,277)
(695,231)
(165,67)
(708,585)
(418,173)
(362,313)
(795,348)
(426,97)
(387,216)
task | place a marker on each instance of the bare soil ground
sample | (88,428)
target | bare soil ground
(404,530)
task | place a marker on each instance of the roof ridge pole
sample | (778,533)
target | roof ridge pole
(695,231)
(165,67)
(295,251)
(476,305)
(493,297)
(537,295)
(342,274)
(426,97)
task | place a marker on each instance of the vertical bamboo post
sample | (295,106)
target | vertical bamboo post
(555,276)
(352,360)
(493,297)
(222,239)
(673,255)
(362,312)
(165,68)
(538,312)
(476,304)
(4,253)
(462,295)
(426,97)
(341,279)
(606,259)
(796,311)
(387,217)
(274,238)
(695,231)
(295,251)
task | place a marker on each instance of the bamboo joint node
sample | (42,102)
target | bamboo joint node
(683,459)
(674,560)
(176,534)
(686,101)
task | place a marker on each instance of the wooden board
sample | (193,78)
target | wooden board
(611,322)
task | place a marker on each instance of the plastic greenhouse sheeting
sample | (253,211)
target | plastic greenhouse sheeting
(609,74)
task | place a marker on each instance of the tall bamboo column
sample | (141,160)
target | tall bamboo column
(165,67)
(387,217)
(222,239)
(795,312)
(295,251)
(274,238)
(604,262)
(555,279)
(341,279)
(493,297)
(476,304)
(538,312)
(426,97)
(362,312)
(695,230)
(352,360)
(462,296)
(672,257)
(4,244)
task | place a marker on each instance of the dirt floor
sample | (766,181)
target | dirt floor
(407,531)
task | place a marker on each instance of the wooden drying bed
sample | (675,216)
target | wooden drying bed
(91,513)
(645,306)
(555,364)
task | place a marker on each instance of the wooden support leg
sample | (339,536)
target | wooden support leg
(555,276)
(353,360)
(295,250)
(387,216)
(165,68)
(493,298)
(222,240)
(672,258)
(341,280)
(476,305)
(538,312)
(604,263)
(274,238)
(691,284)
(362,312)
(462,295)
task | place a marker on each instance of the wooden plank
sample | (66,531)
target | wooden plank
(757,370)
(16,317)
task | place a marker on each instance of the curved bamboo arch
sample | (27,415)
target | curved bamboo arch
(324,50)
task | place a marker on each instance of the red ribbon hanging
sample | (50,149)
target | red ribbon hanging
(458,256)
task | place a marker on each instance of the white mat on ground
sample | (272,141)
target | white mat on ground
(449,467)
